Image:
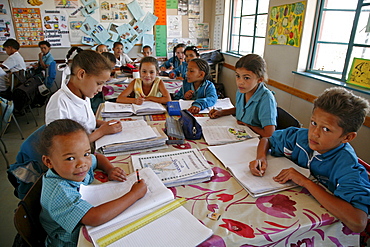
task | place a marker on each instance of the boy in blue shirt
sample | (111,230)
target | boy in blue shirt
(324,149)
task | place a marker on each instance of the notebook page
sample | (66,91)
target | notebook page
(220,103)
(117,107)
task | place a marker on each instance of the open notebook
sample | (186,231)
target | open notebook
(236,158)
(221,104)
(177,228)
(112,109)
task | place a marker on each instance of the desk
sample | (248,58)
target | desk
(288,218)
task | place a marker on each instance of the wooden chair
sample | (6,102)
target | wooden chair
(26,217)
(285,120)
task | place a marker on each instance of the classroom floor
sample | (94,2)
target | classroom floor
(13,142)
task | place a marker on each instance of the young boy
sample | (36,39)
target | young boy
(147,52)
(45,57)
(101,48)
(324,149)
(121,58)
(13,63)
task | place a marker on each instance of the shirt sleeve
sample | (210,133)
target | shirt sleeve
(283,141)
(267,112)
(55,109)
(9,63)
(209,99)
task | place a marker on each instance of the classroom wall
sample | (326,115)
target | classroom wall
(281,61)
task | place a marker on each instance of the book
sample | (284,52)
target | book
(177,167)
(220,104)
(112,109)
(236,157)
(224,130)
(185,229)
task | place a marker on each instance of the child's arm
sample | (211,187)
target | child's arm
(219,113)
(209,99)
(165,94)
(124,96)
(105,128)
(41,62)
(263,132)
(114,173)
(105,212)
(262,149)
(354,218)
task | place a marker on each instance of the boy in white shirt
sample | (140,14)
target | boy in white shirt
(121,58)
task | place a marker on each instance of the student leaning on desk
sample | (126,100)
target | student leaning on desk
(190,52)
(66,152)
(324,149)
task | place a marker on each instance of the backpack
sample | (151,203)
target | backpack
(28,93)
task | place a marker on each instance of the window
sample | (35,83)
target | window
(342,32)
(248,26)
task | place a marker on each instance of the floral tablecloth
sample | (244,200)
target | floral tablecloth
(289,218)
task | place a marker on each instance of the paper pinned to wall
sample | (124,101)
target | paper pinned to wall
(135,9)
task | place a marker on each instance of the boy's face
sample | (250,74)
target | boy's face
(70,156)
(118,50)
(9,50)
(44,49)
(324,133)
(147,52)
(101,49)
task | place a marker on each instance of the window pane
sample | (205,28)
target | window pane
(259,46)
(235,26)
(362,37)
(247,25)
(261,25)
(245,45)
(340,4)
(330,57)
(263,6)
(336,26)
(234,44)
(237,7)
(249,7)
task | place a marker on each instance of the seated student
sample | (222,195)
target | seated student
(45,56)
(13,63)
(121,58)
(324,149)
(147,52)
(147,87)
(66,152)
(255,104)
(176,60)
(89,72)
(197,86)
(101,48)
(190,52)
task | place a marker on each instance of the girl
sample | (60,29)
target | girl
(255,104)
(198,86)
(89,72)
(176,60)
(147,87)
(121,58)
(66,152)
(190,52)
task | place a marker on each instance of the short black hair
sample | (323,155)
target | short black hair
(147,46)
(11,43)
(117,43)
(44,42)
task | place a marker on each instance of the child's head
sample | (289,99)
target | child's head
(102,48)
(336,118)
(198,70)
(147,51)
(111,58)
(44,46)
(149,69)
(250,71)
(89,72)
(10,46)
(178,51)
(117,48)
(65,146)
(191,52)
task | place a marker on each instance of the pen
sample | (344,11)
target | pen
(259,167)
(137,175)
(111,123)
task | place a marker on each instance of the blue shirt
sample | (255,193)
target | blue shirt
(48,58)
(174,61)
(338,169)
(260,110)
(181,70)
(205,96)
(63,208)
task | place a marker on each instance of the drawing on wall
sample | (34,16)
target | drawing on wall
(182,7)
(285,24)
(116,11)
(66,4)
(28,26)
(360,72)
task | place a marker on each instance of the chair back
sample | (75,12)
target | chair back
(6,110)
(17,78)
(285,119)
(26,217)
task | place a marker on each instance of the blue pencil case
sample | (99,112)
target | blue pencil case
(173,108)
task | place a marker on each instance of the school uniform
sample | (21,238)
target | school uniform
(173,61)
(260,110)
(123,60)
(63,208)
(66,105)
(154,91)
(338,169)
(205,96)
(48,58)
(181,70)
(14,62)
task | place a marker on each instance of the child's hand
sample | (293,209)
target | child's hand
(290,174)
(189,94)
(111,127)
(172,75)
(139,189)
(215,113)
(117,174)
(163,68)
(241,123)
(194,110)
(139,101)
(258,167)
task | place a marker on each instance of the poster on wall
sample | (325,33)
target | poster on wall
(116,11)
(66,4)
(360,73)
(28,26)
(55,24)
(6,31)
(174,26)
(285,24)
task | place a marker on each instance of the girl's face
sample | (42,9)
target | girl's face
(70,156)
(44,49)
(102,48)
(247,81)
(180,53)
(148,73)
(118,50)
(90,85)
(194,74)
(189,55)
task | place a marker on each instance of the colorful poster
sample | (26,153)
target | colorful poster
(171,4)
(6,31)
(360,72)
(115,11)
(66,4)
(56,28)
(28,26)
(285,24)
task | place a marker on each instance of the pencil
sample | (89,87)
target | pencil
(111,123)
(137,175)
(259,167)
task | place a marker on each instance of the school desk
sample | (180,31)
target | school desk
(289,218)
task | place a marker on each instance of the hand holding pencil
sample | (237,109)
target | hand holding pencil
(258,167)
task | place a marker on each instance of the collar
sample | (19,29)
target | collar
(74,98)
(331,152)
(51,174)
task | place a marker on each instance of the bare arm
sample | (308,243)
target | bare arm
(219,113)
(263,132)
(114,173)
(165,95)
(124,96)
(105,128)
(41,62)
(262,149)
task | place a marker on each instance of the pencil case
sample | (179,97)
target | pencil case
(173,108)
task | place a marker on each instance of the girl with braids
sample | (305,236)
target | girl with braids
(255,104)
(190,52)
(89,72)
(176,60)
(198,86)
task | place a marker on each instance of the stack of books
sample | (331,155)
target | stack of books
(117,110)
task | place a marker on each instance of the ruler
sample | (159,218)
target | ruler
(137,224)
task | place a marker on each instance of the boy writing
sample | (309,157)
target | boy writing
(324,149)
